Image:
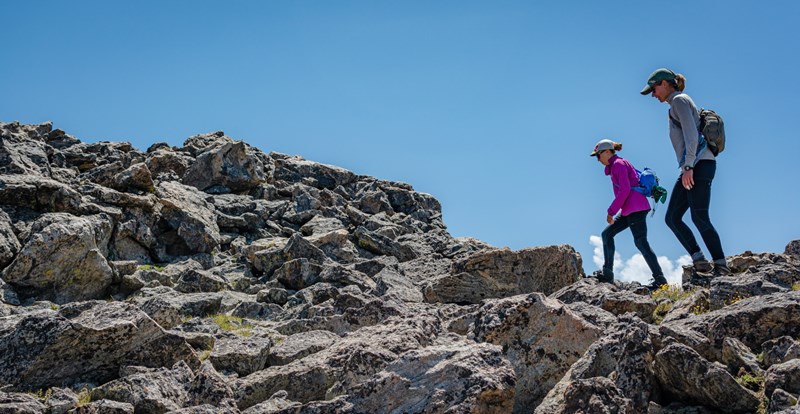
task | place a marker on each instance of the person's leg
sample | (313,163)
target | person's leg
(638,224)
(676,208)
(699,202)
(608,246)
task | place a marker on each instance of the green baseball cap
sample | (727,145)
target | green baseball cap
(656,78)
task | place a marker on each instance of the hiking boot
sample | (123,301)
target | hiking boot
(702,266)
(657,284)
(722,270)
(601,277)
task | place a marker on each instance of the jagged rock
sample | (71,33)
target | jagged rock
(752,321)
(23,150)
(18,403)
(83,342)
(38,193)
(149,390)
(61,400)
(350,361)
(296,169)
(336,245)
(165,162)
(9,244)
(793,249)
(607,297)
(460,377)
(104,407)
(195,281)
(344,276)
(298,274)
(782,402)
(624,356)
(541,338)
(137,177)
(730,289)
(277,252)
(780,350)
(300,345)
(390,282)
(686,375)
(321,225)
(64,259)
(226,164)
(591,395)
(382,245)
(240,355)
(277,296)
(785,376)
(697,302)
(738,357)
(189,219)
(169,308)
(502,273)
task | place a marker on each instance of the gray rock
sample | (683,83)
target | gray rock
(195,281)
(296,169)
(739,358)
(83,342)
(382,245)
(623,356)
(591,395)
(280,251)
(104,407)
(300,345)
(168,163)
(135,178)
(18,403)
(240,355)
(783,402)
(607,297)
(23,150)
(191,220)
(540,336)
(39,194)
(687,376)
(230,165)
(149,390)
(169,308)
(752,321)
(298,273)
(319,225)
(502,273)
(780,350)
(793,249)
(461,377)
(9,245)
(61,400)
(389,282)
(336,245)
(785,376)
(730,289)
(350,361)
(697,302)
(64,259)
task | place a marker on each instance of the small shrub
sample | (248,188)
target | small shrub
(736,297)
(796,286)
(151,267)
(666,296)
(754,383)
(203,355)
(84,397)
(233,324)
(53,306)
(42,394)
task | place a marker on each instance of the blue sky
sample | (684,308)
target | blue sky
(492,107)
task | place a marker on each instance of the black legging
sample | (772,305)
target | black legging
(697,201)
(637,222)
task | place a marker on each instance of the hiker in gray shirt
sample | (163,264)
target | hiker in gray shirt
(698,166)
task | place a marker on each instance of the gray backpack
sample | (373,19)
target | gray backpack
(712,127)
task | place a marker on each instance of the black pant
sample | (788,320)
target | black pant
(638,223)
(696,200)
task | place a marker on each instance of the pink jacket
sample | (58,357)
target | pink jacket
(623,177)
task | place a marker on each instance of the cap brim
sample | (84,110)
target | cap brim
(593,154)
(647,89)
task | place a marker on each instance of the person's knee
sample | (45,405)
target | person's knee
(641,243)
(701,220)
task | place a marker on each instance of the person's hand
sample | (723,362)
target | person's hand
(610,219)
(687,179)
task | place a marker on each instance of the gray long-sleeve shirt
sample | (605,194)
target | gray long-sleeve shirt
(685,137)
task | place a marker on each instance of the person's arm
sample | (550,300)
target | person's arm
(619,176)
(691,136)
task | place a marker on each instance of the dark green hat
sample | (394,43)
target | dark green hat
(656,78)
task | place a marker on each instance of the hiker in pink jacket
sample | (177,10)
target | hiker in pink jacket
(632,207)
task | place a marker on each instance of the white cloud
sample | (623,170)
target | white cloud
(635,268)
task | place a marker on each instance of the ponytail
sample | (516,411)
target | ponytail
(617,146)
(680,82)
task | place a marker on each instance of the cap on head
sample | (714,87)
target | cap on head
(656,77)
(604,144)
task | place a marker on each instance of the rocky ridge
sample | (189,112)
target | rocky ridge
(214,277)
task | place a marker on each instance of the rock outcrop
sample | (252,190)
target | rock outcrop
(214,277)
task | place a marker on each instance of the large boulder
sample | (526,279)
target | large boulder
(23,150)
(9,245)
(190,224)
(39,194)
(540,336)
(461,377)
(608,297)
(687,376)
(502,273)
(227,167)
(84,342)
(64,259)
(296,169)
